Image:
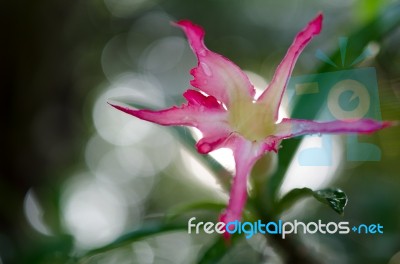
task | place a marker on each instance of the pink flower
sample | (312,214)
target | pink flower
(225,110)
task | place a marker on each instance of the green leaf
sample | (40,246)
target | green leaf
(334,198)
(128,238)
(205,205)
(291,198)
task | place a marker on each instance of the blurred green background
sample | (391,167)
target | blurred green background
(76,174)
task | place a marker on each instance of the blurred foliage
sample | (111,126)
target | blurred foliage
(55,66)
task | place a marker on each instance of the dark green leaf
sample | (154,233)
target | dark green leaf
(215,252)
(334,198)
(51,249)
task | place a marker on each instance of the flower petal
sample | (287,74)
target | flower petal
(271,143)
(272,96)
(214,74)
(202,112)
(246,154)
(296,127)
